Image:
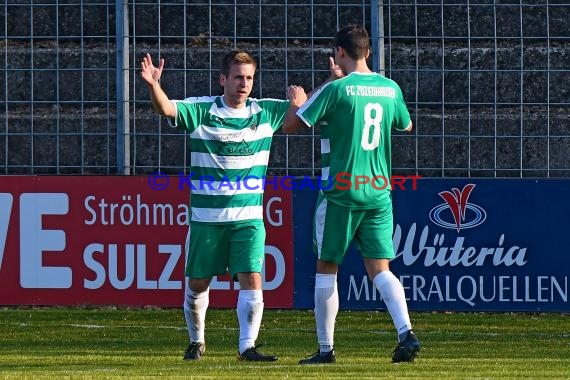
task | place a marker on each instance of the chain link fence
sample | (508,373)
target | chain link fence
(486,82)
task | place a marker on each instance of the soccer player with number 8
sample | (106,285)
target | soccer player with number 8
(357,109)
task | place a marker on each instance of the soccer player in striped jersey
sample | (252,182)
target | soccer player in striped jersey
(357,109)
(230,137)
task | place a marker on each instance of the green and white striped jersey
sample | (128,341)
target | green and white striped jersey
(229,155)
(357,113)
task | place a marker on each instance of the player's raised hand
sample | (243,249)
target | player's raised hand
(296,95)
(336,71)
(149,72)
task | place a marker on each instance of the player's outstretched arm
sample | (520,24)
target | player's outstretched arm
(292,122)
(151,75)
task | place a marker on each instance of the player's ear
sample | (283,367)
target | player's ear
(222,80)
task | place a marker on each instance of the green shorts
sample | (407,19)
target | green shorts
(336,226)
(215,249)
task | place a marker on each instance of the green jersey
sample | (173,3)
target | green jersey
(357,113)
(229,155)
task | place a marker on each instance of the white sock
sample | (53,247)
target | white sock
(249,313)
(326,309)
(195,306)
(393,294)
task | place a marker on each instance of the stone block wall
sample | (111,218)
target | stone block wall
(488,93)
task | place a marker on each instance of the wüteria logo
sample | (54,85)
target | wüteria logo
(457,212)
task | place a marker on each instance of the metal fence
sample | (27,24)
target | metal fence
(486,82)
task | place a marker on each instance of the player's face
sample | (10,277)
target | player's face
(237,84)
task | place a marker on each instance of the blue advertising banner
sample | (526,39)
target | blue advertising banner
(461,245)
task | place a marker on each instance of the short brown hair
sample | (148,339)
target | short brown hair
(236,57)
(354,39)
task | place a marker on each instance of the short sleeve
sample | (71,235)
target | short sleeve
(275,110)
(190,112)
(319,105)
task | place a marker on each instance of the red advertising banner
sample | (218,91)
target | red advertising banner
(105,240)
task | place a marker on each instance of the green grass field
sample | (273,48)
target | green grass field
(107,343)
